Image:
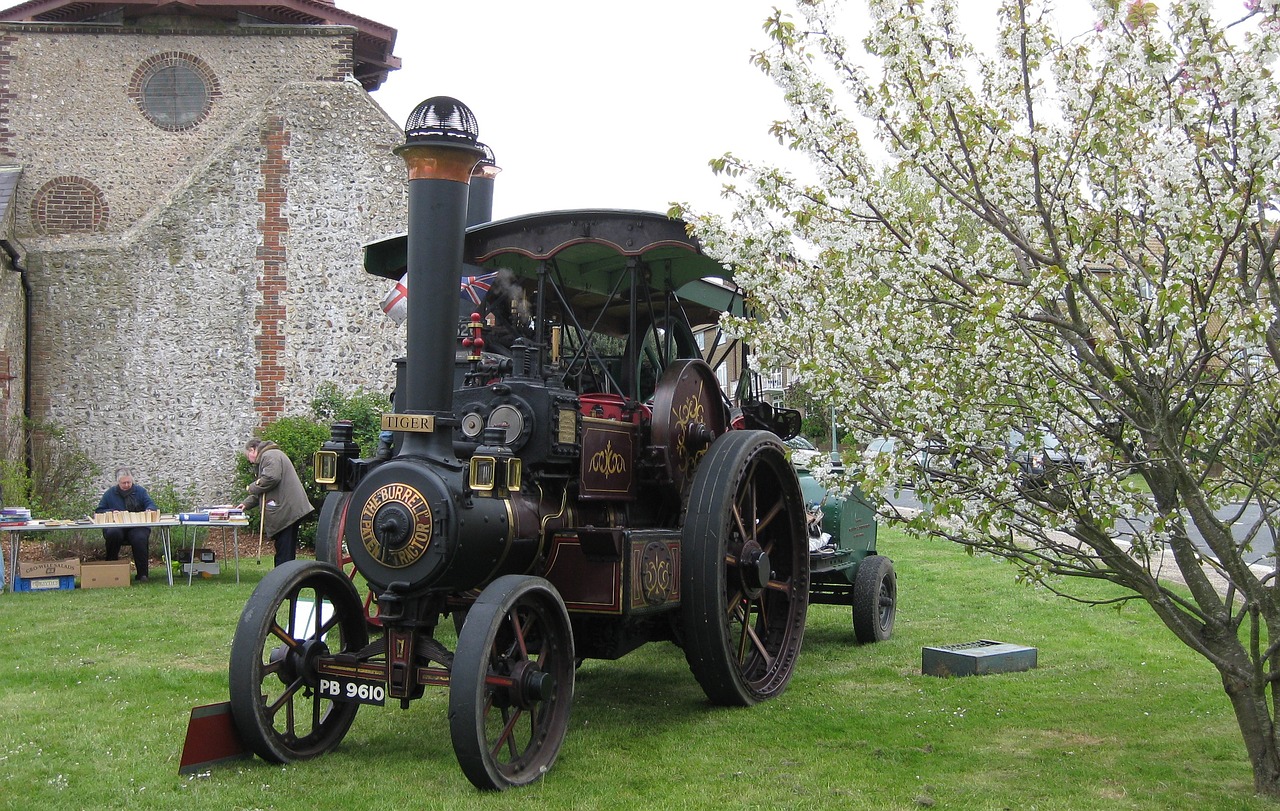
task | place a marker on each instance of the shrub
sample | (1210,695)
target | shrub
(170,499)
(59,481)
(300,437)
(363,410)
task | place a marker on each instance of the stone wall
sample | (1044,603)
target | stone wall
(152,350)
(221,244)
(12,346)
(70,112)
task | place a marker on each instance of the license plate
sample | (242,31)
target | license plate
(361,691)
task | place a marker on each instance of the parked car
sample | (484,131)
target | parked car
(877,446)
(932,460)
(1048,461)
(803,452)
(925,462)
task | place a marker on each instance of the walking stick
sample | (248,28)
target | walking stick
(261,526)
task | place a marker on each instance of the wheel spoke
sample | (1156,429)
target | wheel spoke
(285,700)
(284,636)
(735,601)
(520,632)
(737,520)
(328,626)
(779,586)
(744,617)
(767,519)
(760,648)
(507,738)
(749,634)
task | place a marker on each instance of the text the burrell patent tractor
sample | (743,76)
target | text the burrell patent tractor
(569,482)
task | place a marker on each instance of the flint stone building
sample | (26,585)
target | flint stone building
(186,187)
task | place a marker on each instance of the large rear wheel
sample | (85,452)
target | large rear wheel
(302,610)
(511,685)
(745,576)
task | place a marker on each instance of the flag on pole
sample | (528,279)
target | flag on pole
(395,305)
(475,288)
(472,290)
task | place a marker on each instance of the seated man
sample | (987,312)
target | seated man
(128,497)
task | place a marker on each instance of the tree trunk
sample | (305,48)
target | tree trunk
(1258,730)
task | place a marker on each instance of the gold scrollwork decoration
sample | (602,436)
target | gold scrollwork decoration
(608,462)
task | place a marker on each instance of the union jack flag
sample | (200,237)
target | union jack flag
(475,288)
(472,290)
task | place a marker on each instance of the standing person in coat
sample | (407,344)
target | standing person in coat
(126,496)
(278,488)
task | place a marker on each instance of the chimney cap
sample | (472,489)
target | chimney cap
(442,120)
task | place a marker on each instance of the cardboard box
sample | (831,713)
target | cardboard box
(44,583)
(49,568)
(203,555)
(104,574)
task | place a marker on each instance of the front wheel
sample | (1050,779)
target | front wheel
(875,599)
(745,577)
(302,610)
(511,685)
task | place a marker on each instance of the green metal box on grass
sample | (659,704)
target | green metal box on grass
(976,659)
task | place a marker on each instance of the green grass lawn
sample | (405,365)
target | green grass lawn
(96,688)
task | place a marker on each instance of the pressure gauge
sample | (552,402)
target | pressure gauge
(472,425)
(512,418)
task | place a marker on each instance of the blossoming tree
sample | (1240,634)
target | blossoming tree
(1071,239)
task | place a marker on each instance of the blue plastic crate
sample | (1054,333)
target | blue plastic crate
(44,583)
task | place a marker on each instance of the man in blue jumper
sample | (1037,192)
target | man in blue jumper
(128,497)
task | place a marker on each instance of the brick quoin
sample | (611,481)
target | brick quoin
(6,95)
(270,314)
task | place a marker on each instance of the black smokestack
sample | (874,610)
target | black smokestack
(440,152)
(480,201)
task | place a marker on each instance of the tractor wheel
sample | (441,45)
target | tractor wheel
(331,548)
(511,685)
(875,599)
(745,570)
(301,610)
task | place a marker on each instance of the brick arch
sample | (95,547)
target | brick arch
(69,205)
(152,65)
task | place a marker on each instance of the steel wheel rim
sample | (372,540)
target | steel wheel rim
(273,674)
(745,573)
(759,626)
(512,685)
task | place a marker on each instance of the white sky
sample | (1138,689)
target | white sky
(606,103)
(589,103)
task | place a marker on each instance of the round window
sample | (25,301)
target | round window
(175,97)
(174,91)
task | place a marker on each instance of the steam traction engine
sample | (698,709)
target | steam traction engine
(568,482)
